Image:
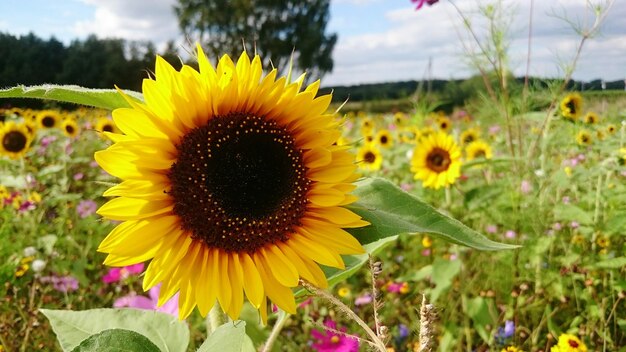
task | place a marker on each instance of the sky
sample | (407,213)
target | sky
(379,40)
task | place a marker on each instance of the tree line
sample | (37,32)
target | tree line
(104,63)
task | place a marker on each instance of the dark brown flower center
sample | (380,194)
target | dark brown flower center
(438,160)
(69,129)
(384,140)
(107,128)
(48,121)
(480,153)
(571,106)
(14,141)
(239,183)
(369,157)
(444,125)
(468,139)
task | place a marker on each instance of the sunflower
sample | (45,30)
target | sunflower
(478,149)
(14,140)
(591,118)
(70,127)
(231,185)
(367,126)
(436,161)
(569,343)
(399,119)
(384,139)
(444,123)
(611,129)
(48,119)
(369,158)
(583,137)
(571,106)
(470,135)
(104,124)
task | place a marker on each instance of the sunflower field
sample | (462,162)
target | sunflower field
(227,207)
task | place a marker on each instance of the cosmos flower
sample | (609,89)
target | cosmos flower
(328,341)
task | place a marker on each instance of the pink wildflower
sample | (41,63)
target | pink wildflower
(143,302)
(329,341)
(420,3)
(363,300)
(61,283)
(86,208)
(118,274)
(526,187)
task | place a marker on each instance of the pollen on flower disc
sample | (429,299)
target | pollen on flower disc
(239,183)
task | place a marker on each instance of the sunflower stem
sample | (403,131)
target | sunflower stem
(215,318)
(278,327)
(379,344)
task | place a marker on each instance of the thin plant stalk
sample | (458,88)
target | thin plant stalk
(278,327)
(380,345)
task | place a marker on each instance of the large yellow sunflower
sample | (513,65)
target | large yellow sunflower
(14,140)
(571,106)
(436,160)
(231,185)
(369,158)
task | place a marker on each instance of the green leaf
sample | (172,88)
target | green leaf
(616,223)
(72,327)
(230,337)
(570,212)
(116,340)
(392,211)
(108,99)
(612,263)
(443,273)
(478,311)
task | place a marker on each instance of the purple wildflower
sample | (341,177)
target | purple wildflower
(86,208)
(363,300)
(61,283)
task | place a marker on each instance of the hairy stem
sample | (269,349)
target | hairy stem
(380,346)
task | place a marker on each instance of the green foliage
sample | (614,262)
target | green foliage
(274,29)
(229,337)
(108,99)
(166,332)
(116,340)
(392,211)
(95,63)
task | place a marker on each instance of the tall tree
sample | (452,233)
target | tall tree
(276,29)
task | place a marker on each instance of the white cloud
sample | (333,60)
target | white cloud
(403,50)
(152,20)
